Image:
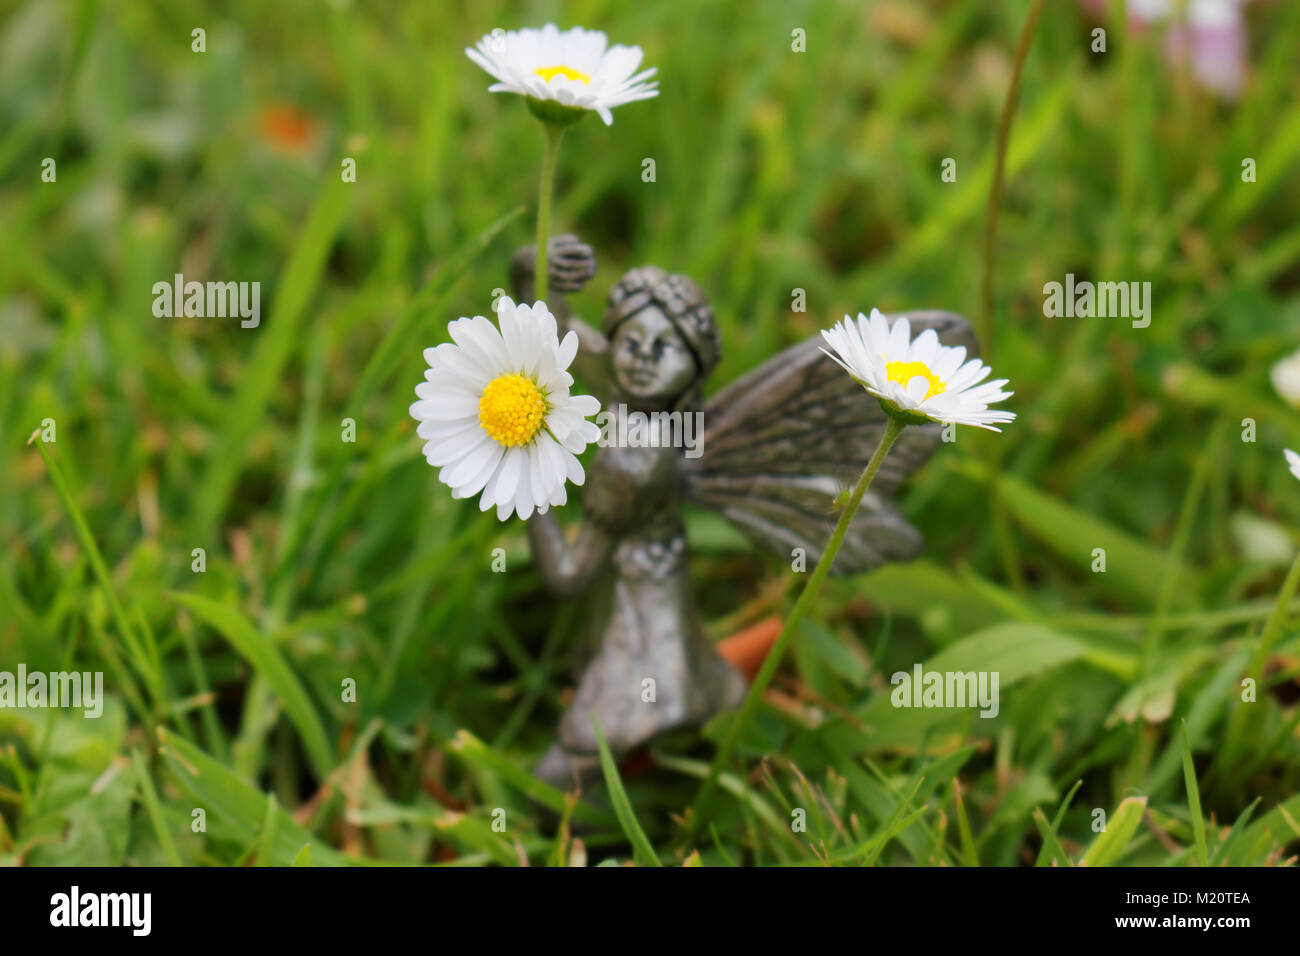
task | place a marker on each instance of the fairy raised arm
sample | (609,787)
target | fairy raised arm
(571,264)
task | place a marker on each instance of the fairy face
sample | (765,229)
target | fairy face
(651,361)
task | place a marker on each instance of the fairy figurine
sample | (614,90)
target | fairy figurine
(778,445)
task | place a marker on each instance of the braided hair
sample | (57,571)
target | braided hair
(685,305)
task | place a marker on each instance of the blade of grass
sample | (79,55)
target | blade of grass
(1112,841)
(1052,850)
(1056,827)
(396,343)
(1194,799)
(873,846)
(1221,851)
(100,569)
(1134,569)
(155,811)
(475,752)
(642,851)
(266,659)
(728,782)
(893,826)
(275,344)
(270,826)
(969,856)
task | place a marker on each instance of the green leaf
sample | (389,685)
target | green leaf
(922,588)
(1015,651)
(1134,569)
(91,830)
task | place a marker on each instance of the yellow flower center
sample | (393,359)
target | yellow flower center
(904,372)
(512,410)
(548,73)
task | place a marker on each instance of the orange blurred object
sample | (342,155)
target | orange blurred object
(746,649)
(286,128)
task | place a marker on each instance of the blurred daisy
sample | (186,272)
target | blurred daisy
(1209,34)
(1292,461)
(916,379)
(1286,379)
(575,70)
(496,413)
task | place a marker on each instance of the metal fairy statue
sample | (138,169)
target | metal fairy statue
(778,445)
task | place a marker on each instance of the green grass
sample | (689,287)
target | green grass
(329,561)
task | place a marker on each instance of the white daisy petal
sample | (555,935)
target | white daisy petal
(568,349)
(508,480)
(523,491)
(573,469)
(576,68)
(1286,379)
(1292,461)
(495,412)
(490,467)
(471,463)
(448,406)
(918,378)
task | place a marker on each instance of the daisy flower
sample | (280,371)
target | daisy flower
(1292,461)
(496,414)
(916,379)
(1286,379)
(564,73)
(1209,34)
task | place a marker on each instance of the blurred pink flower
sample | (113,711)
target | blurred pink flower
(1208,34)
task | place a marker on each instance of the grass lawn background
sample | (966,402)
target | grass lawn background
(329,560)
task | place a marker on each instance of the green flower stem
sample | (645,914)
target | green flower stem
(554,133)
(1260,657)
(807,596)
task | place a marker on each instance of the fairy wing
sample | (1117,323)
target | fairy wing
(782,441)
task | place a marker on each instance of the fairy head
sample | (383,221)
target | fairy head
(663,340)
